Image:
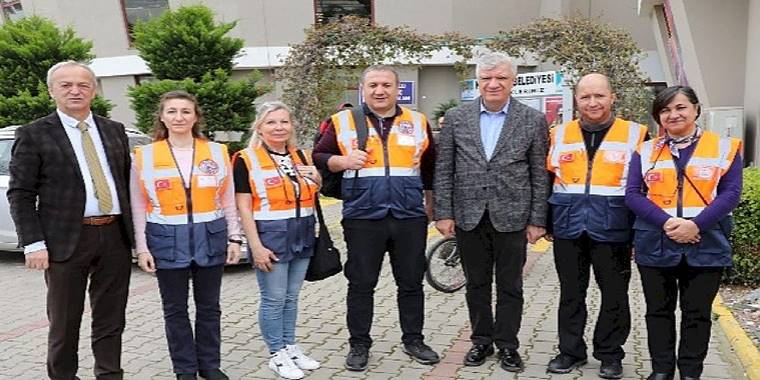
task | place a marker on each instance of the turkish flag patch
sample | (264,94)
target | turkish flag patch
(567,157)
(272,181)
(654,177)
(162,184)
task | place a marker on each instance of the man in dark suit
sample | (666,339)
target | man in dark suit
(490,190)
(69,199)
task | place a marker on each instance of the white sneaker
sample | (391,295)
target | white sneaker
(297,356)
(281,364)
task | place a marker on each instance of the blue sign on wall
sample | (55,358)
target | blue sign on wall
(406,92)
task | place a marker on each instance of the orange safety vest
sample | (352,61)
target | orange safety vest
(273,192)
(407,140)
(162,185)
(568,158)
(711,159)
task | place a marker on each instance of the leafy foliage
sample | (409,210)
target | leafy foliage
(744,239)
(440,111)
(581,46)
(28,48)
(186,43)
(318,70)
(186,50)
(226,105)
(443,107)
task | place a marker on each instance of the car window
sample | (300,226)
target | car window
(5,155)
(137,141)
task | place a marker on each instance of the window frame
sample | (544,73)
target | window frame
(371,12)
(123,5)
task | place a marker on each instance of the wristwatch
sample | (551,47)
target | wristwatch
(238,241)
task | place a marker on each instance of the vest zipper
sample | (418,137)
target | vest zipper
(679,200)
(188,195)
(384,140)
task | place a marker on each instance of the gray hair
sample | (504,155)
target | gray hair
(262,111)
(63,64)
(380,68)
(491,61)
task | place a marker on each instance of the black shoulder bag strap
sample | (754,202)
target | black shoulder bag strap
(317,206)
(362,131)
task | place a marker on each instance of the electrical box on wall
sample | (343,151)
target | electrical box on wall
(725,121)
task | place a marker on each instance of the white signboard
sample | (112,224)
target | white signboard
(538,84)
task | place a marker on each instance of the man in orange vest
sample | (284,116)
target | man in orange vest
(383,188)
(591,225)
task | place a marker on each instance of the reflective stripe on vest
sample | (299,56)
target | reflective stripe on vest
(568,158)
(273,193)
(711,159)
(407,140)
(162,184)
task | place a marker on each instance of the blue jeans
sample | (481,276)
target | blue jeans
(278,308)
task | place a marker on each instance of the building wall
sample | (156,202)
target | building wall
(101,22)
(437,85)
(752,84)
(261,22)
(720,51)
(618,13)
(115,90)
(277,23)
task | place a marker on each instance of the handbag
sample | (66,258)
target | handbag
(325,262)
(326,259)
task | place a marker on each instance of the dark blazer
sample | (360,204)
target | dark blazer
(46,191)
(513,186)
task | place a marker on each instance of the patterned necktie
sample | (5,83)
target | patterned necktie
(102,192)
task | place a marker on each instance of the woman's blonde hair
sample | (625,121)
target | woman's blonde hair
(262,111)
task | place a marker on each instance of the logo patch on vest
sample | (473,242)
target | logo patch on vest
(614,156)
(567,157)
(654,177)
(208,167)
(162,184)
(272,181)
(405,128)
(705,172)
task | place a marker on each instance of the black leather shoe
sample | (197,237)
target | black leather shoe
(510,360)
(358,358)
(689,378)
(186,376)
(213,374)
(421,352)
(564,363)
(660,376)
(477,354)
(612,369)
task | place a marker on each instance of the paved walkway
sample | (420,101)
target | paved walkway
(321,329)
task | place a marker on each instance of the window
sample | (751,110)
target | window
(327,11)
(12,10)
(141,10)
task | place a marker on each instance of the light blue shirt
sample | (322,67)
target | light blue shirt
(91,202)
(490,127)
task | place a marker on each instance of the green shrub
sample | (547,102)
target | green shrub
(227,105)
(186,42)
(186,50)
(28,48)
(745,238)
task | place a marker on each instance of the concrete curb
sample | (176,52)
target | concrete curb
(745,349)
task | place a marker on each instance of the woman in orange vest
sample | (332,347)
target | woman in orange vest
(682,187)
(275,193)
(186,228)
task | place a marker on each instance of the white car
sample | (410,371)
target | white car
(8,238)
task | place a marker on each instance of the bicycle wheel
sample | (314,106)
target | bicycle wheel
(444,272)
